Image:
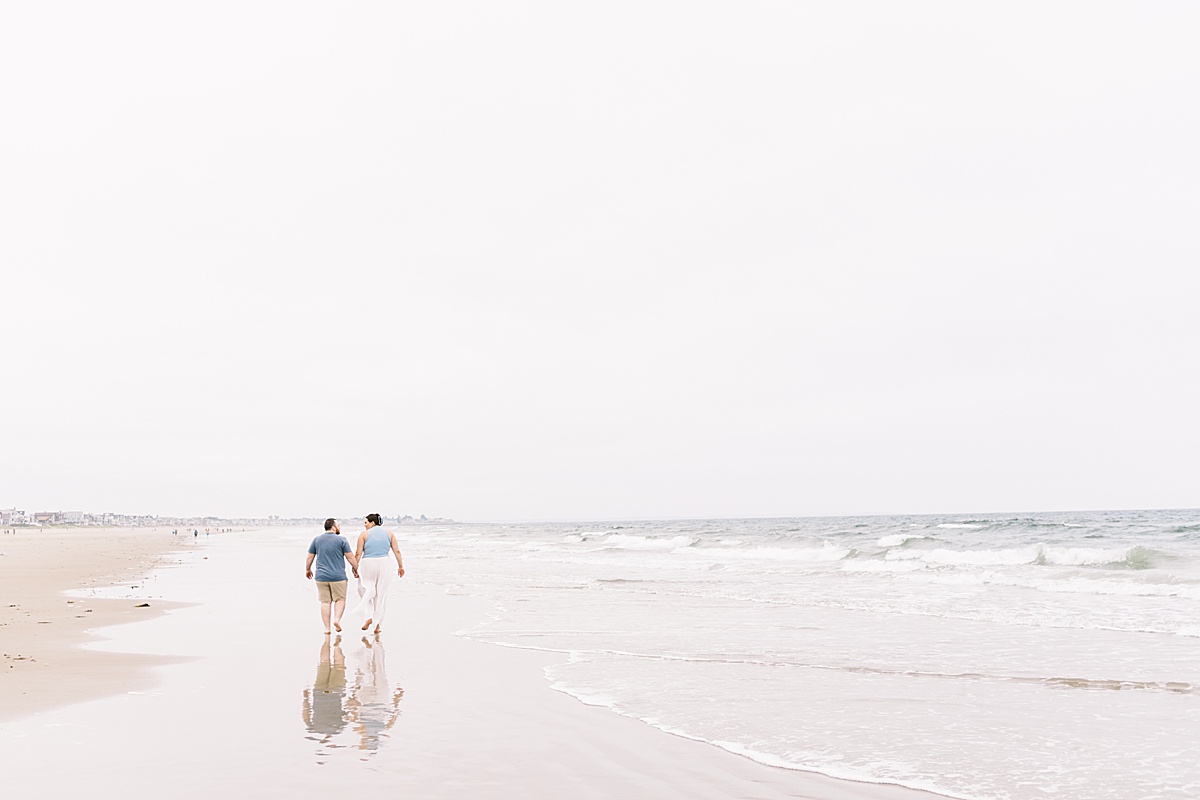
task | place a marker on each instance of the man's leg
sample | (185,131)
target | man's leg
(325,615)
(337,593)
(339,606)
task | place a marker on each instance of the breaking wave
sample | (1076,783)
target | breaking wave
(1128,557)
(900,539)
(627,541)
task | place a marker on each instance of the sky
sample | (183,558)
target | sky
(599,260)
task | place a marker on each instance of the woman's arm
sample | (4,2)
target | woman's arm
(396,552)
(362,542)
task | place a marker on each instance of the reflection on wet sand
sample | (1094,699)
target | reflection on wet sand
(369,706)
(374,706)
(323,711)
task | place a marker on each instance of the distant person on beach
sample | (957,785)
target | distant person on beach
(375,544)
(331,551)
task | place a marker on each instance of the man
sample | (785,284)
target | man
(328,550)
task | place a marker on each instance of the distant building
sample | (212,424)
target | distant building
(11,516)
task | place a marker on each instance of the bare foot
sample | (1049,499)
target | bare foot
(378,630)
(337,626)
(366,625)
(326,633)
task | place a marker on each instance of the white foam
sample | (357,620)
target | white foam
(1030,554)
(1008,557)
(882,566)
(624,541)
(1085,556)
(952,525)
(827,552)
(898,539)
(832,770)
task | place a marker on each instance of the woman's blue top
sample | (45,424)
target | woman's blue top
(378,544)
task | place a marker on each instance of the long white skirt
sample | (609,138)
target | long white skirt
(374,577)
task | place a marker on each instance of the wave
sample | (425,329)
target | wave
(900,539)
(628,541)
(953,525)
(1130,557)
(943,556)
(1135,557)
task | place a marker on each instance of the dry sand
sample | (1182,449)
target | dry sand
(41,663)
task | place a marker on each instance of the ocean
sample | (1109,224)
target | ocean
(999,656)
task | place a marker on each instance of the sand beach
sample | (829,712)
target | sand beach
(226,683)
(42,664)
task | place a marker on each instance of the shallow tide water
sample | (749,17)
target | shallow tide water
(987,656)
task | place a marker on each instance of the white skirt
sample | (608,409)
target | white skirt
(374,577)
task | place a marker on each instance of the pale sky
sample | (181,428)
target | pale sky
(567,260)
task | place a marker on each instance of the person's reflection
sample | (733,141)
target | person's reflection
(373,706)
(322,710)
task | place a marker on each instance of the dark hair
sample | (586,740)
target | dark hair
(329,523)
(375,518)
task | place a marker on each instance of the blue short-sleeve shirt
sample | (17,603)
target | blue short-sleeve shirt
(330,564)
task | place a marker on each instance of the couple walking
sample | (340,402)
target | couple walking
(369,562)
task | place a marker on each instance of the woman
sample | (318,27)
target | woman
(375,574)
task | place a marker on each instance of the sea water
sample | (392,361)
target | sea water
(983,656)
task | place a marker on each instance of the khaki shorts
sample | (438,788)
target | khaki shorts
(331,591)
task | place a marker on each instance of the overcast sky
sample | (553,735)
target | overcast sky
(539,260)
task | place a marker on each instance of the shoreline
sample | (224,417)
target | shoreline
(470,718)
(630,756)
(45,663)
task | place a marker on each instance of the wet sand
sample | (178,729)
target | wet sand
(41,629)
(262,703)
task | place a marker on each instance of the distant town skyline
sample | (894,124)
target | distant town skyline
(17,517)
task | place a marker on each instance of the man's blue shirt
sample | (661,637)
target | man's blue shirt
(330,550)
